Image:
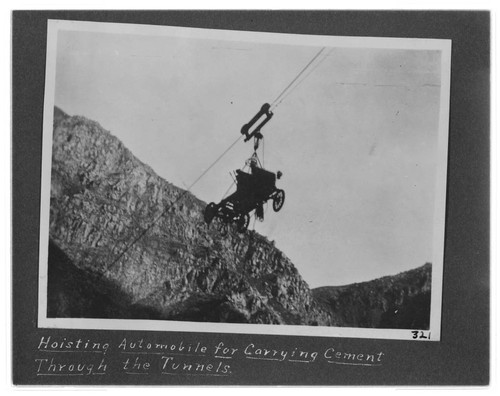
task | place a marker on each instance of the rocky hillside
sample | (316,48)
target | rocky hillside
(105,259)
(399,301)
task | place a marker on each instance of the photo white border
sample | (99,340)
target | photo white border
(434,332)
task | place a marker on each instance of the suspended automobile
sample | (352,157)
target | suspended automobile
(253,188)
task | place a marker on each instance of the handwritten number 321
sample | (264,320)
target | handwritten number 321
(420,334)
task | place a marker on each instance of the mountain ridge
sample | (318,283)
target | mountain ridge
(103,199)
(402,299)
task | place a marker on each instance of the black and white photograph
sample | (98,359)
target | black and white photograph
(225,181)
(251,198)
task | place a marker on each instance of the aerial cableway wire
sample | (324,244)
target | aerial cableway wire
(274,103)
(169,206)
(284,93)
(283,97)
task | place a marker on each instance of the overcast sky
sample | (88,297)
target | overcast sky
(356,141)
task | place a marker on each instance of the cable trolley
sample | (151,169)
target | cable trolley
(253,187)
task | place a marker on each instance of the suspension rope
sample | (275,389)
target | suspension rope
(296,78)
(283,97)
(215,162)
(233,183)
(286,91)
(229,188)
(263,154)
(171,205)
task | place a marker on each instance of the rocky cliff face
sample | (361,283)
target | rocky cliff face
(399,301)
(103,199)
(106,259)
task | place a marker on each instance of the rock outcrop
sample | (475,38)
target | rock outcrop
(400,301)
(127,244)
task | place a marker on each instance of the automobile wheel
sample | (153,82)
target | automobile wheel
(210,212)
(278,200)
(242,222)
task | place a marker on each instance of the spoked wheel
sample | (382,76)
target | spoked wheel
(278,200)
(242,222)
(210,212)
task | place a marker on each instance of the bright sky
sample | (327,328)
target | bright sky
(356,141)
